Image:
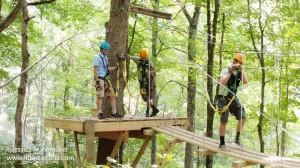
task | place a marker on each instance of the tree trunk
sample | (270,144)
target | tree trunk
(279,111)
(191,89)
(263,83)
(221,52)
(23,82)
(283,133)
(211,41)
(116,35)
(154,54)
(260,56)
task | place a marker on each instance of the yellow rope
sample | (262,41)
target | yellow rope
(224,109)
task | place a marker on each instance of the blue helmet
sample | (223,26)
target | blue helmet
(104,45)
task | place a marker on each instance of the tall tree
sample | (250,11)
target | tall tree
(116,35)
(261,57)
(211,42)
(191,89)
(23,81)
(154,54)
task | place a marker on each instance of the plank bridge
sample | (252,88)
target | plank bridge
(144,128)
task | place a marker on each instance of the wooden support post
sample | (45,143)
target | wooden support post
(77,149)
(90,137)
(170,144)
(204,152)
(149,132)
(60,145)
(242,163)
(117,145)
(150,12)
(141,152)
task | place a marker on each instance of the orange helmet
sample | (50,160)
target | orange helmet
(144,53)
(240,57)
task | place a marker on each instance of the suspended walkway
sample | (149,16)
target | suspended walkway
(209,146)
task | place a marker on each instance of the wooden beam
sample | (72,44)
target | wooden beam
(77,149)
(61,146)
(150,12)
(141,152)
(118,125)
(90,135)
(113,135)
(117,146)
(204,152)
(65,124)
(242,163)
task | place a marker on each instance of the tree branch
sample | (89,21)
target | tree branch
(40,2)
(186,13)
(251,31)
(12,16)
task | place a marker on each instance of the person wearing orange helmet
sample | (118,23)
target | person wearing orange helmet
(147,80)
(230,80)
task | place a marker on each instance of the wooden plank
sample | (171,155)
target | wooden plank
(71,125)
(213,147)
(61,146)
(149,12)
(246,153)
(242,163)
(90,137)
(204,152)
(141,152)
(77,149)
(127,125)
(116,147)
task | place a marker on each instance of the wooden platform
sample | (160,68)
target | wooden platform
(112,124)
(115,129)
(211,147)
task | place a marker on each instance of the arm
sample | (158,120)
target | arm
(95,73)
(244,77)
(134,59)
(225,78)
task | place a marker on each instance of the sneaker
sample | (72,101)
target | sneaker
(101,116)
(154,112)
(116,115)
(238,142)
(147,113)
(222,147)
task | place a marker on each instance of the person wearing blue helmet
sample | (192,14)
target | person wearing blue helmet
(102,79)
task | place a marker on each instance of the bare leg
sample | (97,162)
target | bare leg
(222,129)
(99,104)
(240,125)
(112,100)
(239,128)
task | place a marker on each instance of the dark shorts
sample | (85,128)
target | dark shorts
(235,109)
(146,93)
